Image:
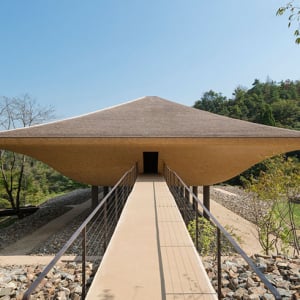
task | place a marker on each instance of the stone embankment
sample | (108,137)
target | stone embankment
(240,282)
(48,211)
(62,282)
(236,200)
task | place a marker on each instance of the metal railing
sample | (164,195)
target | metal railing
(92,237)
(189,211)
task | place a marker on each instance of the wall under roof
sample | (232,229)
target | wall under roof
(203,148)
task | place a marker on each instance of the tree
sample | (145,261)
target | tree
(213,102)
(14,113)
(286,113)
(266,116)
(269,103)
(294,17)
(273,206)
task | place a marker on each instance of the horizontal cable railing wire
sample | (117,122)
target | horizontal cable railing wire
(92,237)
(188,204)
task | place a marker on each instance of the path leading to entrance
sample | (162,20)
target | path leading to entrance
(151,255)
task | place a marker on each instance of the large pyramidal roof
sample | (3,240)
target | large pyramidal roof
(203,148)
(151,117)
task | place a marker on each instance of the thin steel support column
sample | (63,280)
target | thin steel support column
(206,200)
(195,191)
(95,192)
(105,190)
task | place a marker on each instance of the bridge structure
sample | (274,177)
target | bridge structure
(138,236)
(151,254)
(149,133)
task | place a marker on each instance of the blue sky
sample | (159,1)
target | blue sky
(80,56)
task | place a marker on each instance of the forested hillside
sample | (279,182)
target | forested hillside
(270,103)
(39,183)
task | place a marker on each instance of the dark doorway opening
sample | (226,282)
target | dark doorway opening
(150,162)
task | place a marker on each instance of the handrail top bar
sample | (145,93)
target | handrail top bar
(271,288)
(74,236)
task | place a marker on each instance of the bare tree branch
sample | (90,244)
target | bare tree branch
(18,112)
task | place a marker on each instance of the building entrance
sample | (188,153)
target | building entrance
(150,162)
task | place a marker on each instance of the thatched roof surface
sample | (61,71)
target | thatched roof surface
(151,117)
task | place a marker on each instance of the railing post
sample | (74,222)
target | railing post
(187,204)
(206,200)
(175,186)
(83,262)
(133,176)
(187,195)
(179,192)
(105,225)
(127,187)
(173,182)
(105,191)
(116,205)
(219,250)
(195,206)
(94,192)
(182,200)
(197,228)
(125,191)
(122,193)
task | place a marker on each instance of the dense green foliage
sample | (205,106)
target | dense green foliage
(206,233)
(277,220)
(269,103)
(38,183)
(207,241)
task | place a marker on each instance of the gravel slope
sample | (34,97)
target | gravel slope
(236,200)
(48,211)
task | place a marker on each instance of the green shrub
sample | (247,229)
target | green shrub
(4,203)
(207,237)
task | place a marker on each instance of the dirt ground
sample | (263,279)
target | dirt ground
(243,229)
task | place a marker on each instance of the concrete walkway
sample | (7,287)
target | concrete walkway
(151,255)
